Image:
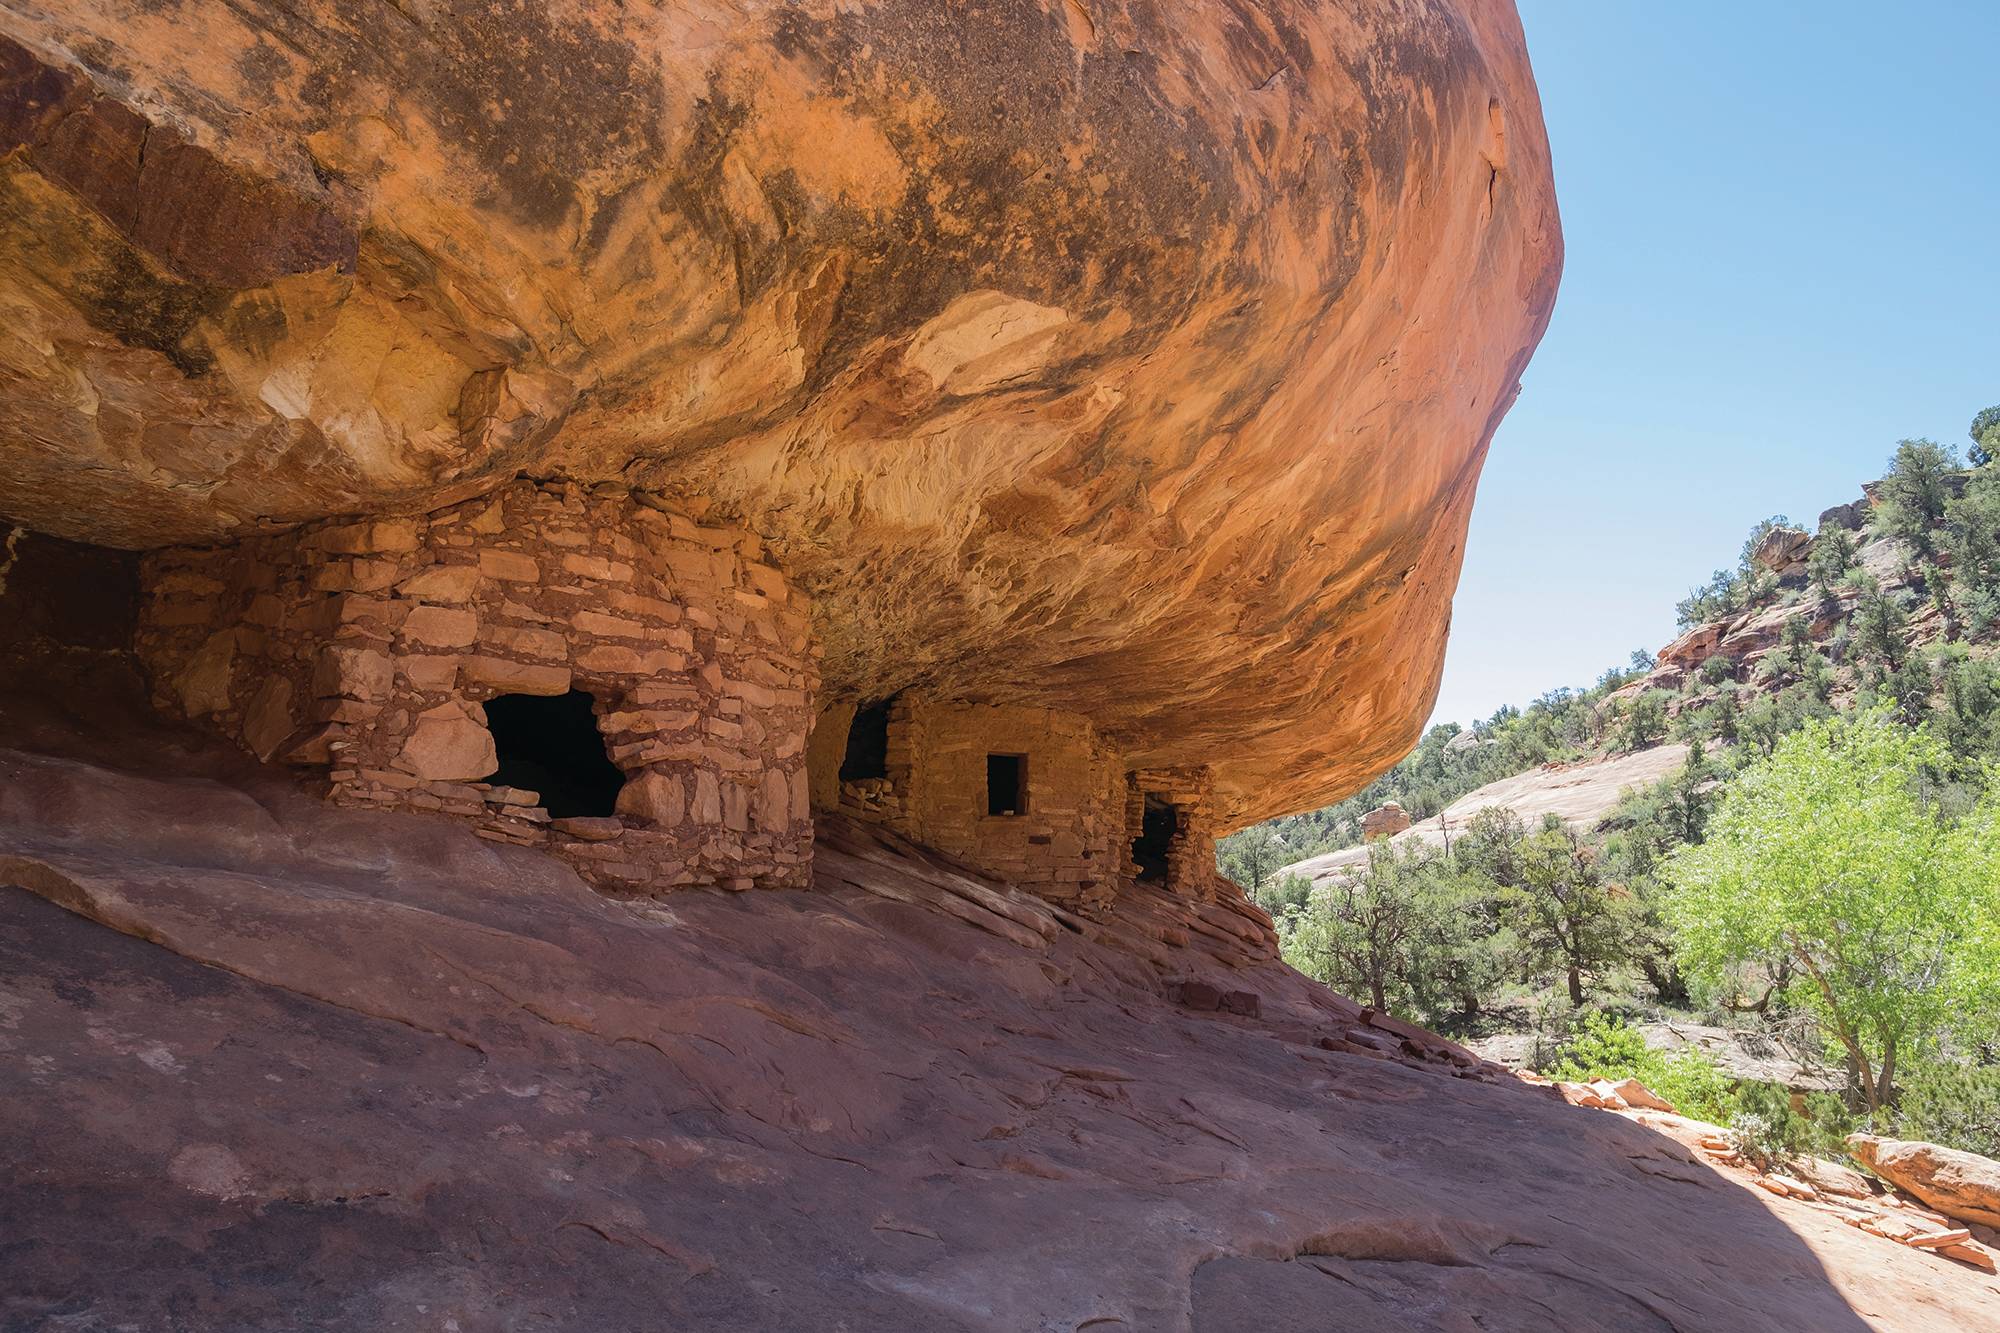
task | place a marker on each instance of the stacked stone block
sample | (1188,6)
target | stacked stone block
(369,646)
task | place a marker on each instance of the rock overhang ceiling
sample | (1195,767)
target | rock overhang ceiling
(1136,359)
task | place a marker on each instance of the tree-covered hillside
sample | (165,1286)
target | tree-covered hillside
(1895,597)
(1823,871)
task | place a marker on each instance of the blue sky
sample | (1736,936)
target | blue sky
(1783,229)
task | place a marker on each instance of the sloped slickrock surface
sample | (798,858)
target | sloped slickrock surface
(1580,794)
(285,1067)
(1150,349)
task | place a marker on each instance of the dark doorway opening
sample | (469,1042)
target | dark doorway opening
(1156,836)
(550,744)
(1006,784)
(867,743)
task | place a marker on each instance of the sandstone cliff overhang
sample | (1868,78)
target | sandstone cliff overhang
(1137,359)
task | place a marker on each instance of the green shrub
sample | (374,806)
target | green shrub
(1606,1047)
(1765,1128)
(1832,557)
(1290,891)
(1830,1120)
(1771,1132)
(1602,1047)
(1911,498)
(1957,1106)
(1697,1086)
(1553,1023)
(1644,722)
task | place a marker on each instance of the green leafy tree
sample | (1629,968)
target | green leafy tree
(1727,714)
(1831,557)
(1985,434)
(1797,658)
(1460,949)
(1979,611)
(1906,689)
(1775,716)
(1412,932)
(1562,910)
(1828,856)
(1651,943)
(1972,870)
(1357,933)
(1795,640)
(1646,828)
(1251,855)
(1968,710)
(1672,813)
(1490,847)
(1971,538)
(1644,721)
(1880,631)
(1722,594)
(1911,498)
(1286,893)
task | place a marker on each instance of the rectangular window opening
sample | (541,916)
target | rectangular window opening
(1006,784)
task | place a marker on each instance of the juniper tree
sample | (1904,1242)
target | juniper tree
(1912,496)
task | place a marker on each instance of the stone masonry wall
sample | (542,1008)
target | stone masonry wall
(1191,871)
(369,646)
(1064,845)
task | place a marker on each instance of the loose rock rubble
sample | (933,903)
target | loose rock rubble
(1851,1197)
(1963,1184)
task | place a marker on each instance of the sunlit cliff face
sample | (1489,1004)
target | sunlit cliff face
(1133,359)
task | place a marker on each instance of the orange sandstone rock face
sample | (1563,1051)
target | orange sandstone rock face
(1136,359)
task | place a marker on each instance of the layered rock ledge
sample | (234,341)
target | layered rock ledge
(1136,359)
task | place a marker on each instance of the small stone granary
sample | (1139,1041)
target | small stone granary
(1035,795)
(616,678)
(593,673)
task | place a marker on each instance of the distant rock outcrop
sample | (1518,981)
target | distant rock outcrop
(1579,794)
(1384,821)
(1782,551)
(1744,637)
